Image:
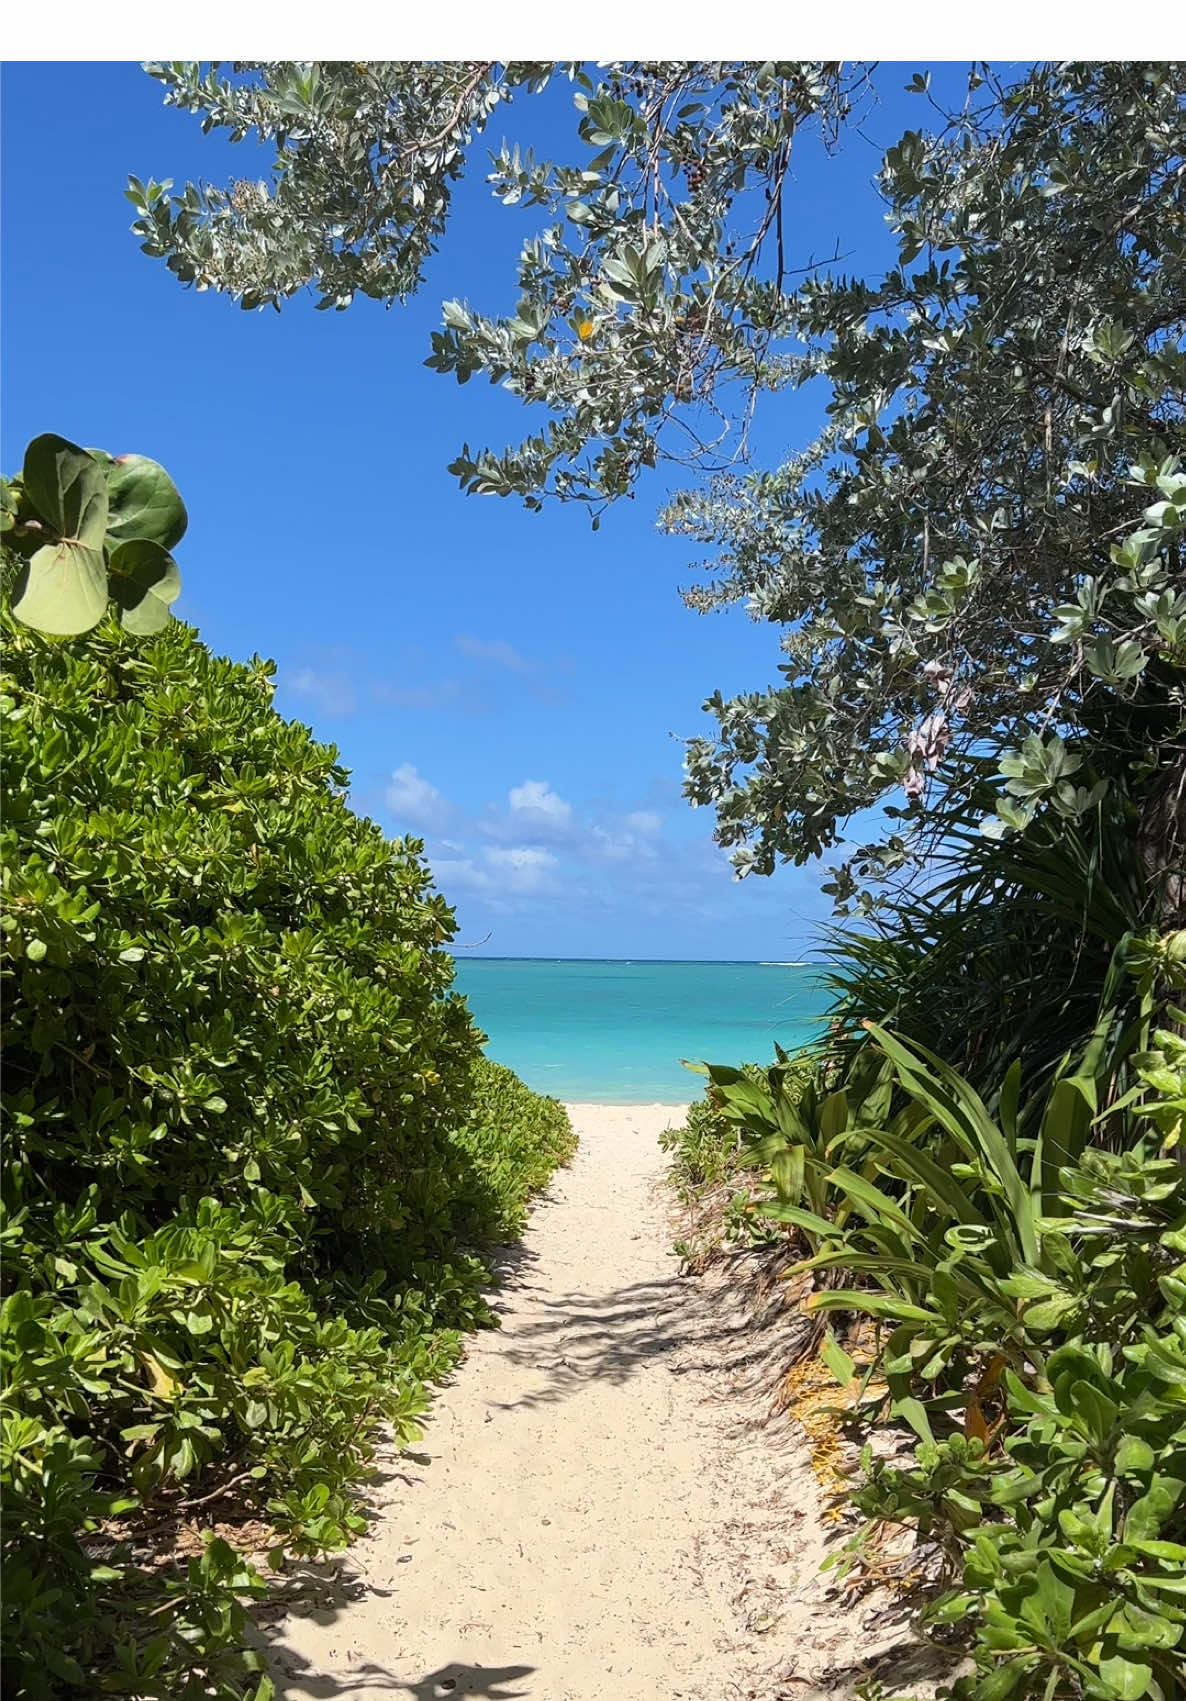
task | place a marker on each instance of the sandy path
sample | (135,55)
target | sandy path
(549,1541)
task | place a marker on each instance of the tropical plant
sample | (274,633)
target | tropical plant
(975,1249)
(512,1140)
(789,1126)
(87,527)
(1005,954)
(1032,1294)
(1065,1552)
(638,300)
(251,1152)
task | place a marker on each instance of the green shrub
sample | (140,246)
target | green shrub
(1065,1550)
(251,1149)
(732,1140)
(512,1140)
(1022,1273)
(1033,1295)
(706,1149)
(218,977)
(711,1145)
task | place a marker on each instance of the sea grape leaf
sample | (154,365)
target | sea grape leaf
(63,589)
(144,502)
(68,489)
(144,581)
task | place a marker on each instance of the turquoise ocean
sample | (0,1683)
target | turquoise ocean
(614,1032)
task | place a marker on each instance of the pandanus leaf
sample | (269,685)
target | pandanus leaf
(915,1166)
(961,1110)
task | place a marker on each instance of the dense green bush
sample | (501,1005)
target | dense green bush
(218,977)
(705,1149)
(719,1155)
(251,1151)
(513,1139)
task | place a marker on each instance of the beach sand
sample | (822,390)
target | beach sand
(594,1512)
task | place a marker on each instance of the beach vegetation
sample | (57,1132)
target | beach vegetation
(236,1063)
(253,1154)
(511,1140)
(1008,1312)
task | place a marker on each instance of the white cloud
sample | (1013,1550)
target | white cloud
(645,822)
(614,845)
(458,874)
(522,871)
(536,799)
(524,868)
(414,801)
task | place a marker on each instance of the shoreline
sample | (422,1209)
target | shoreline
(574,1106)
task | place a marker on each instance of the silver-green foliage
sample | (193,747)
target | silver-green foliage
(639,296)
(987,532)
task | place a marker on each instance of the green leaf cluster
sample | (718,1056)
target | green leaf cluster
(512,1140)
(980,552)
(252,1152)
(638,296)
(86,527)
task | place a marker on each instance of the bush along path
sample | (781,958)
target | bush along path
(252,1148)
(997,1285)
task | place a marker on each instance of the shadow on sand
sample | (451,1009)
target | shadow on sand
(454,1679)
(324,1592)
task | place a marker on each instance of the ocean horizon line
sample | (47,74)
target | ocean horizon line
(747,962)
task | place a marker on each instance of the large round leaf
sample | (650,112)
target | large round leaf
(63,589)
(68,488)
(144,581)
(144,502)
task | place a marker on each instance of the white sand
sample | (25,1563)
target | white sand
(588,1516)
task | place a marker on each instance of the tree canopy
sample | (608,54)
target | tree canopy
(984,538)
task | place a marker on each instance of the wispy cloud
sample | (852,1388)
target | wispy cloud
(495,650)
(526,868)
(618,844)
(501,872)
(337,682)
(414,801)
(331,691)
(499,653)
(466,696)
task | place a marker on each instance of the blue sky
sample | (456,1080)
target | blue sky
(511,687)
